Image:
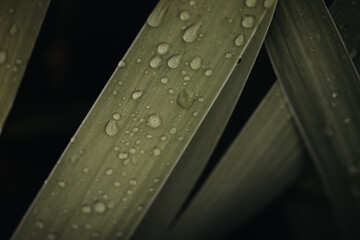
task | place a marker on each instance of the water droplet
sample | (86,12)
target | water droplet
(61,183)
(121,64)
(116,116)
(117,184)
(163,48)
(184,15)
(171,91)
(39,224)
(195,63)
(111,128)
(174,61)
(156,151)
(154,121)
(208,72)
(155,18)
(13,30)
(95,234)
(185,99)
(109,171)
(123,155)
(86,170)
(191,33)
(138,60)
(133,182)
(155,62)
(187,78)
(195,114)
(99,207)
(11,10)
(228,55)
(240,40)
(3,56)
(164,80)
(75,226)
(137,94)
(250,3)
(334,94)
(248,21)
(51,236)
(173,130)
(268,3)
(163,138)
(347,120)
(86,208)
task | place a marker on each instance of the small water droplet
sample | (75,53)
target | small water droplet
(173,130)
(51,236)
(13,30)
(187,78)
(3,56)
(163,48)
(156,17)
(155,62)
(174,61)
(240,40)
(133,182)
(138,60)
(111,128)
(61,183)
(39,224)
(86,170)
(171,91)
(334,94)
(195,114)
(184,15)
(117,184)
(74,226)
(250,3)
(195,63)
(119,234)
(192,3)
(137,94)
(347,120)
(156,151)
(343,25)
(116,116)
(109,171)
(123,155)
(268,3)
(208,72)
(191,33)
(164,80)
(185,99)
(86,208)
(154,121)
(99,207)
(228,55)
(95,234)
(121,64)
(163,138)
(248,21)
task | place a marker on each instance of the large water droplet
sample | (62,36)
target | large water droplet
(137,94)
(99,207)
(240,40)
(163,48)
(155,62)
(111,128)
(154,121)
(174,61)
(250,3)
(195,63)
(184,15)
(268,3)
(13,30)
(3,56)
(191,33)
(248,21)
(185,99)
(156,17)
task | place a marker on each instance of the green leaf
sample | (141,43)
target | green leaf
(142,122)
(181,181)
(323,89)
(20,24)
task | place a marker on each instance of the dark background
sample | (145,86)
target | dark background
(78,48)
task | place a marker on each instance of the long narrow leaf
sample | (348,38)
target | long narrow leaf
(323,89)
(20,24)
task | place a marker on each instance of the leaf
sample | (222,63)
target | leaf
(142,122)
(181,181)
(323,89)
(20,24)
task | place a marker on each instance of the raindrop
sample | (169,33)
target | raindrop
(137,94)
(163,48)
(174,61)
(347,120)
(51,236)
(121,64)
(2,56)
(250,3)
(208,72)
(240,40)
(99,207)
(195,114)
(163,138)
(248,21)
(61,183)
(140,207)
(109,171)
(187,78)
(154,121)
(228,55)
(185,99)
(155,18)
(155,62)
(173,130)
(117,184)
(111,128)
(138,60)
(268,3)
(123,155)
(184,15)
(192,3)
(86,208)
(156,151)
(116,116)
(171,91)
(164,80)
(195,63)
(191,33)
(75,226)
(13,29)
(334,94)
(133,182)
